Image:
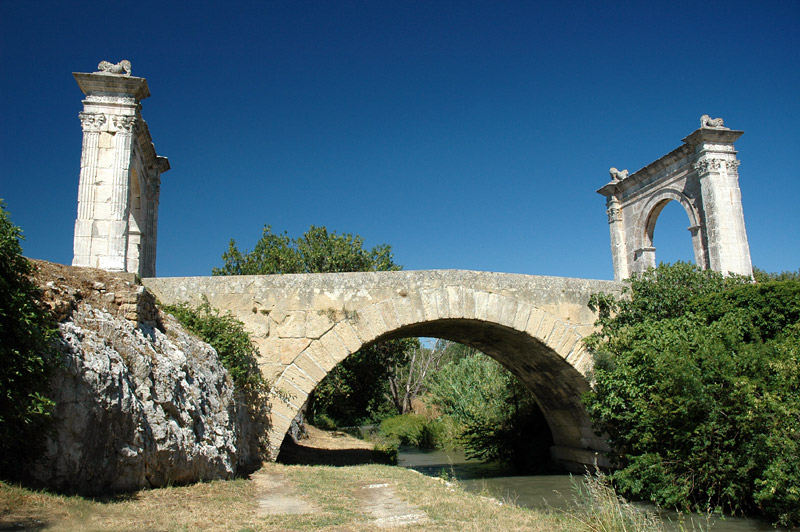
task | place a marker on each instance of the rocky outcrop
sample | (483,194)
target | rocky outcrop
(138,403)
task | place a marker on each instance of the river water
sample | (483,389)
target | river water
(537,491)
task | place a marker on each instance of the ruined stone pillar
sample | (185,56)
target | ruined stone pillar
(118,162)
(717,171)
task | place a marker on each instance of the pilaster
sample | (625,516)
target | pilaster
(616,227)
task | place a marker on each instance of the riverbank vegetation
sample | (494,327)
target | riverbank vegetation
(470,402)
(696,387)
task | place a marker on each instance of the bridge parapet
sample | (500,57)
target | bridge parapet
(285,312)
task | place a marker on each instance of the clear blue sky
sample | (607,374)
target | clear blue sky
(465,134)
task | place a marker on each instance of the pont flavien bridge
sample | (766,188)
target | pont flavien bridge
(306,324)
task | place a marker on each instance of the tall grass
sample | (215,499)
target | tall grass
(596,507)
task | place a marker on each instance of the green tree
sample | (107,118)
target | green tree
(355,390)
(316,251)
(696,388)
(25,332)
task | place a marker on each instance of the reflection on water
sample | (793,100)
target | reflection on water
(538,491)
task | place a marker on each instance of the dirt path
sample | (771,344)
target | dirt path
(277,494)
(388,510)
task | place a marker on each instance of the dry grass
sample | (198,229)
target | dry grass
(217,505)
(337,496)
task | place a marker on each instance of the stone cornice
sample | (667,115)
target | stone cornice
(616,187)
(698,137)
(112,85)
(717,136)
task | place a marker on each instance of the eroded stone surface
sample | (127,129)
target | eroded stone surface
(137,404)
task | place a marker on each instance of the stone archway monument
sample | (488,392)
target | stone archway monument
(120,175)
(702,175)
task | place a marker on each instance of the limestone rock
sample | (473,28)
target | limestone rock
(138,407)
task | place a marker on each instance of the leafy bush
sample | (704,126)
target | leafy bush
(697,391)
(238,355)
(25,332)
(412,429)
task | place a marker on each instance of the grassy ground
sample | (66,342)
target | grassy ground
(314,497)
(356,498)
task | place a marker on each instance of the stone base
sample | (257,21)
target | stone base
(579,460)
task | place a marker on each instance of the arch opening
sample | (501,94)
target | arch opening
(671,243)
(554,383)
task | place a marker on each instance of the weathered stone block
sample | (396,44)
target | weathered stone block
(334,346)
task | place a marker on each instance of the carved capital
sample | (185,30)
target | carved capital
(614,214)
(708,165)
(124,123)
(92,121)
(732,166)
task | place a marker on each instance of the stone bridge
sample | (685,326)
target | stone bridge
(306,324)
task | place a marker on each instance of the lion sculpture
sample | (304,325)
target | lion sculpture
(708,122)
(617,175)
(123,67)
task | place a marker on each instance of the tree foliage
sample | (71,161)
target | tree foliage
(317,251)
(501,419)
(696,386)
(354,390)
(25,332)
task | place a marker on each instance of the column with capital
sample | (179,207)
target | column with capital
(717,171)
(619,251)
(92,124)
(112,125)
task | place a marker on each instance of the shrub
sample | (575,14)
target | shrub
(412,429)
(500,419)
(697,391)
(25,332)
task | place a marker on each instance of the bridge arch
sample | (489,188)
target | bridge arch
(545,352)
